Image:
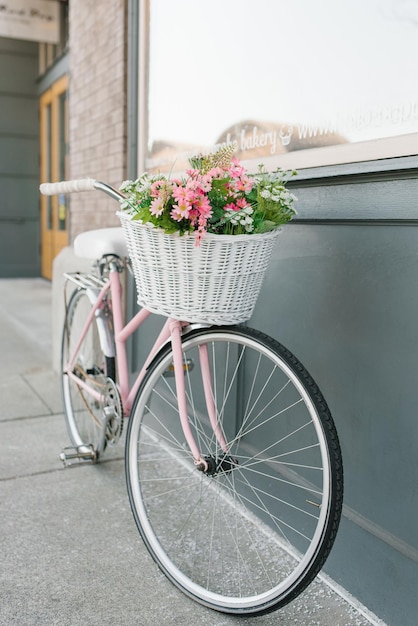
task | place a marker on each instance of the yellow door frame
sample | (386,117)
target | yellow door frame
(53,163)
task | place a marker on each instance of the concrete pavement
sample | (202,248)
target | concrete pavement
(70,554)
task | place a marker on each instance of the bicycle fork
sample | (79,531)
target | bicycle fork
(208,465)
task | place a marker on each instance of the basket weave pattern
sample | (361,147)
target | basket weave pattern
(217,282)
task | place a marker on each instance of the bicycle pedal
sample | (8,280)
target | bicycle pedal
(79,454)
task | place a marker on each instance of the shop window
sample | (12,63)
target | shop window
(294,84)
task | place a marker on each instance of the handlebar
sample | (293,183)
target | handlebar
(81,184)
(67,186)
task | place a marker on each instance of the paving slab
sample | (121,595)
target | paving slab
(47,385)
(33,393)
(71,556)
(27,303)
(32,445)
(19,399)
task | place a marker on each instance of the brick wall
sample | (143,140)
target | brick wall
(97,107)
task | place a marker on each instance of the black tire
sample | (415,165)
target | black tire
(250,537)
(83,414)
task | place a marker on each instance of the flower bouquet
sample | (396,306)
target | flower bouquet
(200,245)
(217,196)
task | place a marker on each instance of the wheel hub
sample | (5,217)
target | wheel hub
(212,465)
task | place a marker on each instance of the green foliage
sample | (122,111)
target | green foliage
(221,158)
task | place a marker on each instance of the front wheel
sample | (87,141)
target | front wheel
(250,533)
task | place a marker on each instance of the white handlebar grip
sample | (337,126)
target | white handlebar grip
(67,186)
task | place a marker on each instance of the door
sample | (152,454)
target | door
(53,131)
(19,158)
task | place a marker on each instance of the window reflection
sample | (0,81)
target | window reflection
(279,79)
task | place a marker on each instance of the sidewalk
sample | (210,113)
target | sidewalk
(69,549)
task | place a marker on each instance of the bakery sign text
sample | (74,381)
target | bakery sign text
(33,20)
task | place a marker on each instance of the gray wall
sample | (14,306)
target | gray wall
(342,294)
(19,159)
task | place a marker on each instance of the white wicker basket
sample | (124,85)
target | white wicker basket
(217,282)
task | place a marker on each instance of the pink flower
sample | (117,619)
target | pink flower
(203,205)
(231,207)
(242,203)
(236,170)
(192,173)
(179,213)
(216,172)
(155,188)
(205,183)
(162,190)
(157,206)
(180,194)
(244,184)
(199,234)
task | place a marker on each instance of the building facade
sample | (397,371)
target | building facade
(147,85)
(98,105)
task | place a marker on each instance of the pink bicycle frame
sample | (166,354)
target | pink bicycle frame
(172,329)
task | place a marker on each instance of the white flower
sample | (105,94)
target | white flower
(142,186)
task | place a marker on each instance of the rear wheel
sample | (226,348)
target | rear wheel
(84,414)
(247,535)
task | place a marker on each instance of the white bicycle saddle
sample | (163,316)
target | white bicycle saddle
(93,244)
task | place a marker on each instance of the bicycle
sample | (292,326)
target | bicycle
(232,460)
